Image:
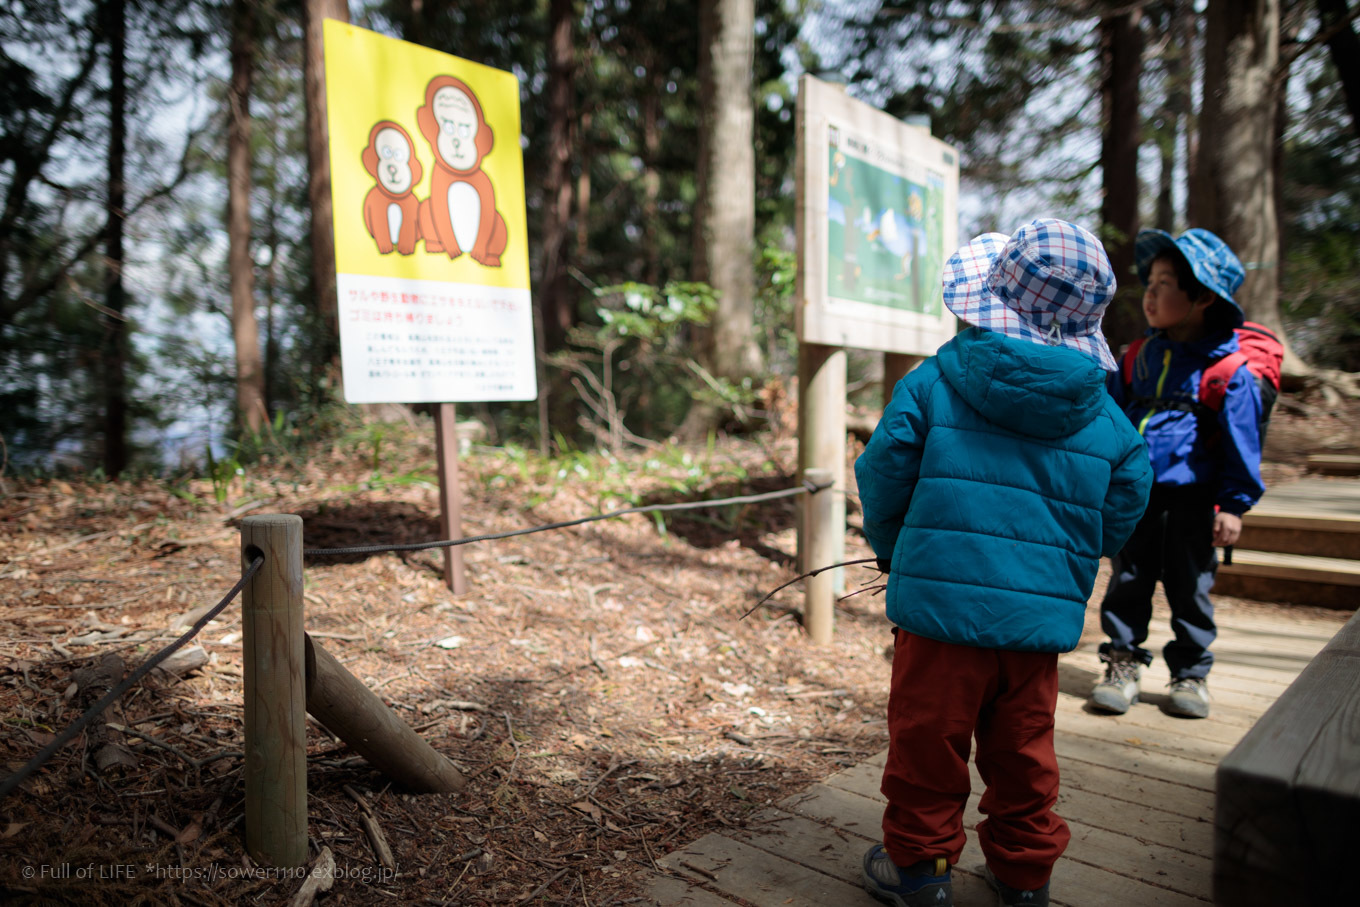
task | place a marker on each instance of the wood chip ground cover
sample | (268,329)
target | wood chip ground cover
(595,685)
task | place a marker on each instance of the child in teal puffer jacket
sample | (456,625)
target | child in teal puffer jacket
(1000,474)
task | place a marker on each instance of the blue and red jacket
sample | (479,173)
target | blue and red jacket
(1190,444)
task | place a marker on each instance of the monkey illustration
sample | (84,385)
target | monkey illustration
(460,215)
(391,211)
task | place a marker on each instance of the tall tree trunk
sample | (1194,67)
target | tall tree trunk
(554,302)
(249,375)
(651,176)
(1234,184)
(725,217)
(319,172)
(583,188)
(115,333)
(1344,46)
(1179,35)
(1122,54)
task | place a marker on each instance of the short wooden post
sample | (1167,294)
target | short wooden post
(895,368)
(819,605)
(450,494)
(356,715)
(275,716)
(821,442)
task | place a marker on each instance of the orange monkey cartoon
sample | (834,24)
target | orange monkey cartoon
(391,211)
(460,215)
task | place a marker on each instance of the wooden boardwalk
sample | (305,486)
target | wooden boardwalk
(1137,791)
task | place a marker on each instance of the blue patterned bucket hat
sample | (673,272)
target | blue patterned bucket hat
(1210,259)
(1049,283)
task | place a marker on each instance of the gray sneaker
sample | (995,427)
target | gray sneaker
(1119,689)
(1189,697)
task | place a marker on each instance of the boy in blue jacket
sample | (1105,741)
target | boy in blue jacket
(999,475)
(1206,463)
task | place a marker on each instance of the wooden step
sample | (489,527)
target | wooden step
(1328,582)
(1335,464)
(1331,535)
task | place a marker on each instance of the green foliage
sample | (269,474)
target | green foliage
(776,276)
(222,473)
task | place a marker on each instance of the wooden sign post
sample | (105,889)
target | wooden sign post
(450,494)
(877,217)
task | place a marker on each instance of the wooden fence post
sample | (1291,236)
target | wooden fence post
(356,715)
(275,710)
(819,524)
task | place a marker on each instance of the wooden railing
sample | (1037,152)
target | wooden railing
(1287,810)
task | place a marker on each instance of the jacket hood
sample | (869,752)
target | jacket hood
(1025,387)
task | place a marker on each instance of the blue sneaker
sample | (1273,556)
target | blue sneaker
(1016,897)
(923,884)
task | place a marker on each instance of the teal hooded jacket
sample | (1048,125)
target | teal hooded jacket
(998,476)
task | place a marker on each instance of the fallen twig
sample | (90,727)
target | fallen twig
(320,879)
(771,594)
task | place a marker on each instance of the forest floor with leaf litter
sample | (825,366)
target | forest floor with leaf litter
(595,686)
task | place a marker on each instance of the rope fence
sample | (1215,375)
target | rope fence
(66,736)
(287,673)
(808,487)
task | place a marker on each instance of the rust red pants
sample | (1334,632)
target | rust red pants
(943,694)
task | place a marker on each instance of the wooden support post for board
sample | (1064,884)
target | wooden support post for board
(819,605)
(450,494)
(275,717)
(895,368)
(356,715)
(821,445)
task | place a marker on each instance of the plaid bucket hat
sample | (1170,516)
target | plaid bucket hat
(1210,260)
(1049,283)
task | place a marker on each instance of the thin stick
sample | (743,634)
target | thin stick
(863,560)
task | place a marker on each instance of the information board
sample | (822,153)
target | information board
(877,218)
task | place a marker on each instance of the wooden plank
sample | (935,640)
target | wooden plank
(1312,497)
(1300,567)
(1316,539)
(1286,591)
(1340,523)
(760,877)
(1110,784)
(840,853)
(1287,814)
(1099,868)
(669,891)
(1263,681)
(1133,760)
(1073,719)
(1128,817)
(1335,464)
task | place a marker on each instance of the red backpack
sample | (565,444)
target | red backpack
(1259,350)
